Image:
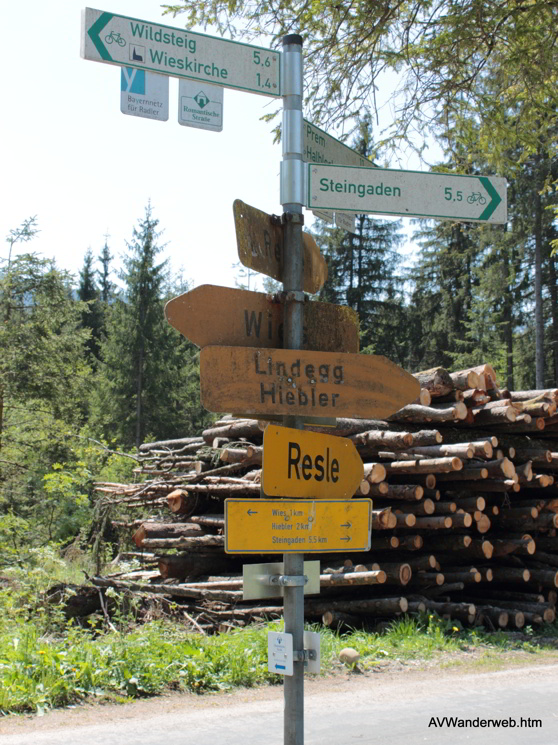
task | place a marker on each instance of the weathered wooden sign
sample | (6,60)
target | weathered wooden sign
(304,464)
(222,315)
(264,526)
(251,381)
(259,237)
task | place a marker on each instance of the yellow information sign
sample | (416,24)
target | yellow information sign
(265,526)
(304,464)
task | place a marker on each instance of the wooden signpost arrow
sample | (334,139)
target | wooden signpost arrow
(304,464)
(254,381)
(259,237)
(225,316)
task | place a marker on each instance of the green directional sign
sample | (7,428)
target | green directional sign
(390,192)
(319,147)
(130,42)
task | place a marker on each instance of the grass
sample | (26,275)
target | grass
(46,662)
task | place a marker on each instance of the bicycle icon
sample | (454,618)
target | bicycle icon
(117,37)
(476,196)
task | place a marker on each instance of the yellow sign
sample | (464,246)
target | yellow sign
(264,526)
(304,464)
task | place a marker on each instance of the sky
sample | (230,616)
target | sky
(87,171)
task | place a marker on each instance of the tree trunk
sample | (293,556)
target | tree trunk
(539,319)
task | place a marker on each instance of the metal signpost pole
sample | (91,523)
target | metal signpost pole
(292,199)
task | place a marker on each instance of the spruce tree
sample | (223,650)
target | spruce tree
(149,380)
(92,316)
(106,286)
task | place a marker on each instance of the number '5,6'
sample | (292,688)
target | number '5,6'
(449,195)
(256,58)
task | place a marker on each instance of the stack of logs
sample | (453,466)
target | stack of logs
(464,519)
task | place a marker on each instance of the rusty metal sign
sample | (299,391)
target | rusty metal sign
(259,238)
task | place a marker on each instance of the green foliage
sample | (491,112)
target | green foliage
(148,380)
(47,662)
(92,315)
(490,57)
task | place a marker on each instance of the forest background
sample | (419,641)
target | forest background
(89,365)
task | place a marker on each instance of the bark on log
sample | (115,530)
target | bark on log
(382,440)
(386,542)
(486,485)
(446,508)
(461,520)
(544,577)
(511,574)
(193,544)
(379,490)
(411,542)
(426,480)
(382,519)
(426,563)
(183,591)
(395,573)
(193,565)
(338,620)
(248,428)
(374,473)
(152,530)
(426,466)
(548,393)
(425,507)
(349,579)
(246,456)
(436,380)
(434,522)
(405,521)
(506,546)
(427,579)
(370,607)
(469,473)
(419,414)
(399,492)
(167,445)
(460,450)
(476,548)
(210,521)
(465,379)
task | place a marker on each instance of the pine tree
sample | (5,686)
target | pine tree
(106,286)
(92,316)
(149,382)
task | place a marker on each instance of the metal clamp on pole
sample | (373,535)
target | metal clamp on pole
(284,580)
(293,217)
(303,655)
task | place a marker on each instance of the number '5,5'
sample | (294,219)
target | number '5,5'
(449,195)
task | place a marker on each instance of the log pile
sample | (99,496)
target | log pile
(464,520)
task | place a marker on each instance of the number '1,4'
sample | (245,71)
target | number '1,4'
(265,83)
